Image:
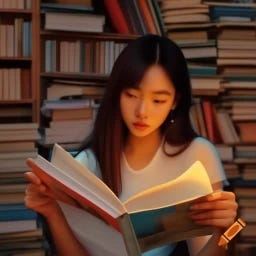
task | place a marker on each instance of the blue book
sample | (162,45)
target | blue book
(16,212)
(26,39)
(200,70)
(17,206)
(66,7)
(227,11)
(48,55)
(239,182)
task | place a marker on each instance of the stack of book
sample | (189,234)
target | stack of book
(20,231)
(245,189)
(71,121)
(19,227)
(236,62)
(236,38)
(188,23)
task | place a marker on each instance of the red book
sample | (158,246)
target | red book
(208,116)
(116,16)
(247,131)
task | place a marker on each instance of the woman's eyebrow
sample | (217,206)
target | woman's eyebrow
(162,92)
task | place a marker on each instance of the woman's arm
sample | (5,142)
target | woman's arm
(218,210)
(64,240)
(43,200)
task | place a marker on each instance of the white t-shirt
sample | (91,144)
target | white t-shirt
(163,168)
(160,169)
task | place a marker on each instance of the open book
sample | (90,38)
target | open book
(107,226)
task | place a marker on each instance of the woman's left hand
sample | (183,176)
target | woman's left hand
(218,209)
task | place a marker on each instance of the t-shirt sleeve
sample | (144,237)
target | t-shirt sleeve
(88,159)
(207,153)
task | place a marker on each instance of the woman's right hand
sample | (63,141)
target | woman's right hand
(39,197)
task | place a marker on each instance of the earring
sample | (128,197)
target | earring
(172,121)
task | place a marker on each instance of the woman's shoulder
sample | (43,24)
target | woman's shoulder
(201,143)
(203,150)
(88,158)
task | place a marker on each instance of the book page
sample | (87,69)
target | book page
(192,184)
(77,181)
(94,188)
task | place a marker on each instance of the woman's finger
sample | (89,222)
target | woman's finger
(219,195)
(31,177)
(214,205)
(218,223)
(220,214)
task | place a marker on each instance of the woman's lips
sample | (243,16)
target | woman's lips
(140,126)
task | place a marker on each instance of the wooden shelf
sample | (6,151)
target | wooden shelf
(76,76)
(83,35)
(16,102)
(15,59)
(16,13)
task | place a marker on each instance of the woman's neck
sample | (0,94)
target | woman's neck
(137,145)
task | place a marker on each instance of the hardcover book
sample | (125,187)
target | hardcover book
(107,226)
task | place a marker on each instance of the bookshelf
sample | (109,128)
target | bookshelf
(19,122)
(18,60)
(223,79)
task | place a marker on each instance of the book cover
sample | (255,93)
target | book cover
(79,188)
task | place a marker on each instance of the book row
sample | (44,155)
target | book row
(81,56)
(16,4)
(14,83)
(15,38)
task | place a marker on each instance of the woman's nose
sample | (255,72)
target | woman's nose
(142,110)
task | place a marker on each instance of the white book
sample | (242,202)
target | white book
(74,22)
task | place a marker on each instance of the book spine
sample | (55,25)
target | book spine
(130,239)
(117,17)
(21,214)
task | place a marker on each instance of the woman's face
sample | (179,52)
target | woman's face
(146,108)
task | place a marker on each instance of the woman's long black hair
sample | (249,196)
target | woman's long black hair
(109,133)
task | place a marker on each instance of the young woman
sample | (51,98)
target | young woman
(143,137)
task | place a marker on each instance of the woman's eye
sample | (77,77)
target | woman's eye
(159,101)
(129,94)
